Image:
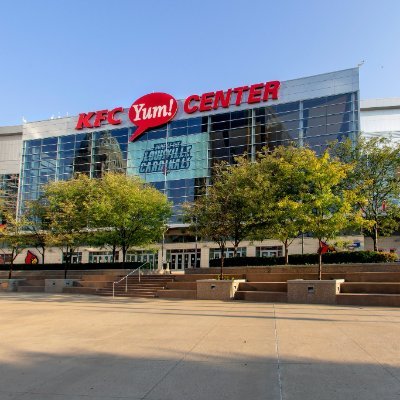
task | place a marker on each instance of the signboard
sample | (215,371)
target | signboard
(182,157)
(156,109)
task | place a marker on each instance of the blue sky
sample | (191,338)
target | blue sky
(60,56)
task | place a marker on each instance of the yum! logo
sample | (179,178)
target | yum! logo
(156,109)
(152,110)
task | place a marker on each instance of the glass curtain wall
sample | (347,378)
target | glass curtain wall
(178,157)
(9,192)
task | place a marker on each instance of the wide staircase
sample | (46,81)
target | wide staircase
(370,289)
(360,288)
(148,286)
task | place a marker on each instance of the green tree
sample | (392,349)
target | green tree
(328,205)
(105,238)
(68,208)
(375,173)
(13,236)
(208,219)
(279,182)
(38,225)
(224,213)
(131,212)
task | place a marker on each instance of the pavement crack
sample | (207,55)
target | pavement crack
(278,364)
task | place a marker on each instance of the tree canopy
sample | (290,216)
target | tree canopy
(127,212)
(375,174)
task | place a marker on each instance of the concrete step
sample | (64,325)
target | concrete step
(32,282)
(348,276)
(133,285)
(177,294)
(100,291)
(368,299)
(196,277)
(262,296)
(150,296)
(181,286)
(263,286)
(370,287)
(79,290)
(30,289)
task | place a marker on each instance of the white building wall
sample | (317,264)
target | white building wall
(380,117)
(10,149)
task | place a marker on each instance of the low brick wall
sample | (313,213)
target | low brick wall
(213,289)
(313,291)
(311,269)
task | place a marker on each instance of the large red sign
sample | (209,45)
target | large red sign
(156,109)
(214,100)
(152,110)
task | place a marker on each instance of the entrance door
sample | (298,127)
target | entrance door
(176,261)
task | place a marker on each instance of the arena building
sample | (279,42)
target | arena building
(173,144)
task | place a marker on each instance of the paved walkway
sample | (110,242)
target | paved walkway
(65,347)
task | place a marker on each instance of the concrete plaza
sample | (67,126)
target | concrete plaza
(67,347)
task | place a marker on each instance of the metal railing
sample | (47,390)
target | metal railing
(126,277)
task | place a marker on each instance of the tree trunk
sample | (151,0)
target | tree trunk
(11,265)
(114,251)
(43,254)
(320,260)
(286,252)
(375,237)
(221,274)
(123,255)
(68,262)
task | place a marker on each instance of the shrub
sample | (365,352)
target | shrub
(73,267)
(343,257)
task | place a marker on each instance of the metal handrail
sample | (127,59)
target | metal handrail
(126,277)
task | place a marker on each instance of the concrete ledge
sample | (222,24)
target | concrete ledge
(181,285)
(10,285)
(177,294)
(264,286)
(313,291)
(262,296)
(57,285)
(79,290)
(368,299)
(214,289)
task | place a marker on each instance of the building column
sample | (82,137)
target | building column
(205,257)
(251,251)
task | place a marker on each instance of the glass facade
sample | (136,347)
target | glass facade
(143,256)
(183,258)
(103,257)
(9,191)
(269,251)
(178,158)
(58,158)
(229,252)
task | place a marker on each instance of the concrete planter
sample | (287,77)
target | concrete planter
(313,291)
(9,285)
(57,285)
(214,289)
